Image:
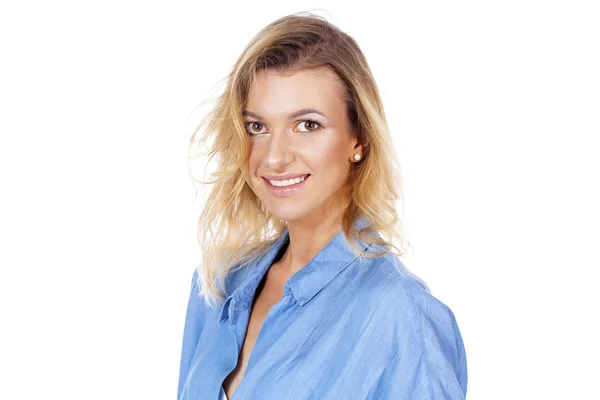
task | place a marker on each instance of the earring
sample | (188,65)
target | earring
(356,157)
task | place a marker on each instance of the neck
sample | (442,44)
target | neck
(307,237)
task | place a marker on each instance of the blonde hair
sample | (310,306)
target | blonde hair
(234,227)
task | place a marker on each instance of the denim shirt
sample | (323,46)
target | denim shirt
(345,328)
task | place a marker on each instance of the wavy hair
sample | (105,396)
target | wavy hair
(234,227)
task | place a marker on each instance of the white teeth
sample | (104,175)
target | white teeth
(287,182)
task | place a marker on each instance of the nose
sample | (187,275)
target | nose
(280,151)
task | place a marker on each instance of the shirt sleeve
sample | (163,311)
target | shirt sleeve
(429,362)
(194,321)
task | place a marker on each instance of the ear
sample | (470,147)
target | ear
(360,148)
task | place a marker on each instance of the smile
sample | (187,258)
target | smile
(288,182)
(286,187)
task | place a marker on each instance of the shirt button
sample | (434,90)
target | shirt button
(235,308)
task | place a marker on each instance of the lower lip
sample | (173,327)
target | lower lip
(285,191)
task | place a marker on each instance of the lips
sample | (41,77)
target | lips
(284,191)
(284,177)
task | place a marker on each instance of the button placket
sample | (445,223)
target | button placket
(233,310)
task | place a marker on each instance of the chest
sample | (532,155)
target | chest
(268,293)
(262,305)
(333,347)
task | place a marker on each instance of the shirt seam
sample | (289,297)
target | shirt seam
(419,334)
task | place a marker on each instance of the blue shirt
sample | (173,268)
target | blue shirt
(345,328)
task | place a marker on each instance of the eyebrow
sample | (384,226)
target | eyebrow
(295,114)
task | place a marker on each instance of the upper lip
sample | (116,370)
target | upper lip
(283,177)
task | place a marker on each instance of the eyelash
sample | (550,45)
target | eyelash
(248,123)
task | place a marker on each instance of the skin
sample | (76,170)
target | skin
(280,145)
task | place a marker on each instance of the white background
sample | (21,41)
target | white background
(494,110)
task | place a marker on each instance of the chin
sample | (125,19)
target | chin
(289,214)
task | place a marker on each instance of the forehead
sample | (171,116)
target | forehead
(274,92)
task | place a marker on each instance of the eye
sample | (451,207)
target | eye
(254,127)
(309,125)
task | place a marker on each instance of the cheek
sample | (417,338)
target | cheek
(254,161)
(326,157)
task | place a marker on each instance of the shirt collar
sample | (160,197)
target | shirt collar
(310,279)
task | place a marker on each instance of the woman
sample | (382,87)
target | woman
(299,295)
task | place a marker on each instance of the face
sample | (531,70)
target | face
(297,125)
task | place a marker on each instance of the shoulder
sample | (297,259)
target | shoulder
(392,281)
(422,329)
(411,302)
(401,287)
(196,302)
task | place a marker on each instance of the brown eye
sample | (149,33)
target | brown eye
(309,125)
(254,127)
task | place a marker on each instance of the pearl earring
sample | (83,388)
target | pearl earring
(356,157)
